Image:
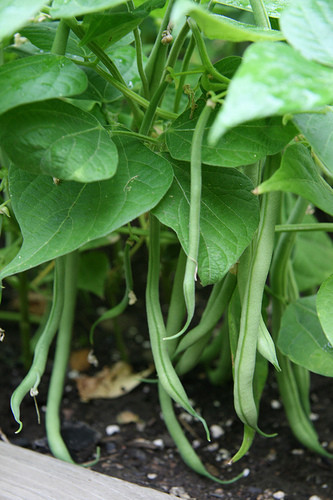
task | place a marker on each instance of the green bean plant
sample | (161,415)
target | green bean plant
(202,129)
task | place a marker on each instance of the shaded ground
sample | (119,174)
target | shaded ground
(143,453)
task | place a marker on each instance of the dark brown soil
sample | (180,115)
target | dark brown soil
(143,452)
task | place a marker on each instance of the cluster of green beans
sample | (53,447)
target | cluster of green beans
(293,380)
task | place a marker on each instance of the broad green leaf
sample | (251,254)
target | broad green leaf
(273,79)
(42,36)
(315,248)
(318,130)
(70,8)
(301,337)
(93,268)
(218,27)
(57,139)
(325,307)
(15,13)
(273,7)
(229,216)
(240,146)
(38,78)
(108,27)
(57,219)
(298,174)
(308,27)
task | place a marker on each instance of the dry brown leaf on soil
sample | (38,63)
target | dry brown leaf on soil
(110,382)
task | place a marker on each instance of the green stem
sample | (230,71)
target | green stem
(52,422)
(60,39)
(320,226)
(204,54)
(158,47)
(185,65)
(139,62)
(168,115)
(108,63)
(24,320)
(260,14)
(157,96)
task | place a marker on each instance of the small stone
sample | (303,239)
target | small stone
(275,404)
(180,492)
(314,497)
(159,443)
(127,417)
(314,416)
(152,476)
(216,403)
(246,472)
(216,431)
(186,417)
(297,451)
(212,447)
(279,495)
(112,429)
(196,443)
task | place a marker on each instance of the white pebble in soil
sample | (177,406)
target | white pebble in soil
(152,476)
(112,429)
(216,431)
(279,495)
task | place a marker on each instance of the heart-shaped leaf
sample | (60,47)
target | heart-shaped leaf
(15,13)
(298,174)
(60,140)
(273,79)
(229,216)
(318,130)
(273,7)
(301,337)
(308,27)
(38,78)
(70,8)
(57,219)
(240,146)
(218,27)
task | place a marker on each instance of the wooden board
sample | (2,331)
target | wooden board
(27,475)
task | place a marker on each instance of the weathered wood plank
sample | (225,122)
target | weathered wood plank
(27,475)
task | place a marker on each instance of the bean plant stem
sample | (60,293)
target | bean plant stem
(108,63)
(60,39)
(320,226)
(185,65)
(260,14)
(52,421)
(204,55)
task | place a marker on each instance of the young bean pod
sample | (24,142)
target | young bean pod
(33,377)
(165,370)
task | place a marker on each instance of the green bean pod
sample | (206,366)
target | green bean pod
(194,219)
(245,358)
(185,449)
(157,332)
(52,419)
(33,377)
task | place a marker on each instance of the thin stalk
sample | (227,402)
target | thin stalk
(60,39)
(168,115)
(24,320)
(260,14)
(108,63)
(154,55)
(204,54)
(139,54)
(320,226)
(52,421)
(157,96)
(185,65)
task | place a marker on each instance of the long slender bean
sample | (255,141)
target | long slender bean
(194,219)
(52,420)
(245,359)
(33,377)
(165,370)
(185,449)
